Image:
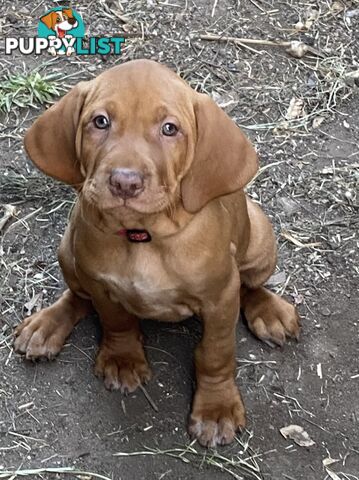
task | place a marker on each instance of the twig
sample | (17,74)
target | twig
(296,49)
(38,471)
(149,399)
(263,169)
(214,7)
(123,18)
(247,41)
(23,220)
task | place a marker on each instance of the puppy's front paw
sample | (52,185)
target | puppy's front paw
(122,371)
(214,421)
(40,336)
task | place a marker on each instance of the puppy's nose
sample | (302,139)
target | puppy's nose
(72,20)
(126,183)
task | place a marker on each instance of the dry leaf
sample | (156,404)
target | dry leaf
(317,121)
(337,7)
(227,102)
(297,49)
(36,301)
(329,461)
(298,435)
(9,211)
(298,298)
(276,279)
(295,108)
(299,26)
(312,15)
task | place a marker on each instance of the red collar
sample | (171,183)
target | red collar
(134,235)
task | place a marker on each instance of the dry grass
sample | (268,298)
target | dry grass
(244,462)
(54,472)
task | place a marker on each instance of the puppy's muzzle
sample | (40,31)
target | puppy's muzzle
(72,20)
(126,183)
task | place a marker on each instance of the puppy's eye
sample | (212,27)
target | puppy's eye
(169,129)
(101,122)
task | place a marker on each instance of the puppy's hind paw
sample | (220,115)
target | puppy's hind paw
(271,318)
(122,372)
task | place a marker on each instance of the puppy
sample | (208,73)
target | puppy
(161,229)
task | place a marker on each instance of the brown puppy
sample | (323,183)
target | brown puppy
(146,152)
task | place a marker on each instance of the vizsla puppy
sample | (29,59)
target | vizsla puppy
(161,229)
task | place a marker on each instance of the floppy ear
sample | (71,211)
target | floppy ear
(224,159)
(48,20)
(51,141)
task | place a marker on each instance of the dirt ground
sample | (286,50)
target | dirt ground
(302,115)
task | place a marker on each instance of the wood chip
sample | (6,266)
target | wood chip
(298,435)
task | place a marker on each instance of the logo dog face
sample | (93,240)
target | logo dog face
(60,21)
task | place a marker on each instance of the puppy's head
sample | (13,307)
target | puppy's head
(60,20)
(139,138)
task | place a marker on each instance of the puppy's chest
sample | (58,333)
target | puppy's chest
(144,286)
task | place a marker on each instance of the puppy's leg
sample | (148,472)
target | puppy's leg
(44,333)
(269,317)
(121,359)
(217,410)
